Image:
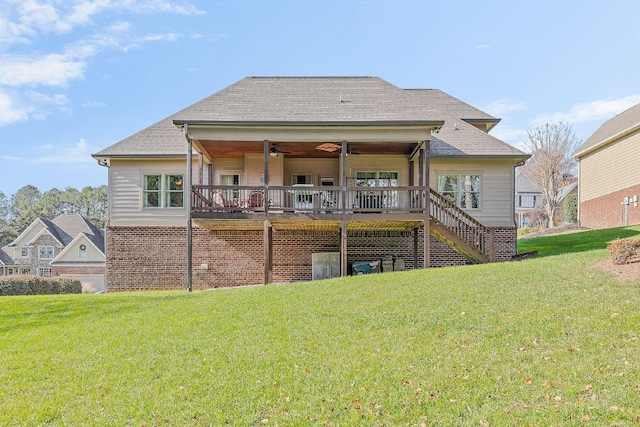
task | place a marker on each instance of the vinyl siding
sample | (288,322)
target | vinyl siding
(71,253)
(496,192)
(125,192)
(610,169)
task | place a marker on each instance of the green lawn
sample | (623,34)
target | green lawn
(545,341)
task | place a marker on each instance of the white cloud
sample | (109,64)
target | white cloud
(23,22)
(500,107)
(78,153)
(483,46)
(55,99)
(9,111)
(93,104)
(30,17)
(51,70)
(154,6)
(589,111)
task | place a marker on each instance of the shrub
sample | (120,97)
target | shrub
(571,208)
(624,251)
(38,285)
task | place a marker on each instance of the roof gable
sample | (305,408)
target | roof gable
(612,129)
(67,253)
(28,233)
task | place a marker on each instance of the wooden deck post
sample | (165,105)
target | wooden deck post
(343,223)
(267,229)
(427,212)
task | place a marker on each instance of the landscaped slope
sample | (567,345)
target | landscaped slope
(548,341)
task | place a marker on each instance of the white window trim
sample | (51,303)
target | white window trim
(44,271)
(377,174)
(163,190)
(461,174)
(40,248)
(81,251)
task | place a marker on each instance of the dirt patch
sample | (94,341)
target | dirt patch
(623,272)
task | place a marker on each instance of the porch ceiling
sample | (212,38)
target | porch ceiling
(237,149)
(306,225)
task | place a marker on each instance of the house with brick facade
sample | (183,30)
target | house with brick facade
(280,179)
(68,245)
(609,182)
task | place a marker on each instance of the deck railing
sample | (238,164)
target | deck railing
(461,224)
(212,199)
(306,199)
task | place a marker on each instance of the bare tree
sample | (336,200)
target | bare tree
(551,147)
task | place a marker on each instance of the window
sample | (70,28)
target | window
(301,180)
(24,252)
(163,191)
(45,252)
(82,251)
(377,179)
(174,191)
(230,180)
(463,189)
(44,271)
(527,201)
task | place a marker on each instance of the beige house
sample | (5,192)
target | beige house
(68,245)
(300,178)
(609,182)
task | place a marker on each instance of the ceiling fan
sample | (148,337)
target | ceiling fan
(274,151)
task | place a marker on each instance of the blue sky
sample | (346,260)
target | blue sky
(77,76)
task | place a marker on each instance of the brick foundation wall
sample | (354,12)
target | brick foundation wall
(76,269)
(143,258)
(506,243)
(233,258)
(293,250)
(607,211)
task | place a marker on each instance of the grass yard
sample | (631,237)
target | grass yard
(546,341)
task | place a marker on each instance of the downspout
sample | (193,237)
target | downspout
(188,204)
(105,164)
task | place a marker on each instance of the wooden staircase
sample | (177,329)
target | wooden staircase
(460,231)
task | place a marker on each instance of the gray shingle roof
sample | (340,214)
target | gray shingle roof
(612,128)
(451,105)
(310,99)
(458,138)
(5,259)
(68,226)
(303,100)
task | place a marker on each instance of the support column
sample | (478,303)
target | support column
(188,205)
(267,229)
(343,223)
(424,166)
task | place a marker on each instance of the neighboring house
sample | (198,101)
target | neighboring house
(609,181)
(530,200)
(68,245)
(280,179)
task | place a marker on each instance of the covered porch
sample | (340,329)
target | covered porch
(341,205)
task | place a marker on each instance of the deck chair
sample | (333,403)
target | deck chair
(256,199)
(218,201)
